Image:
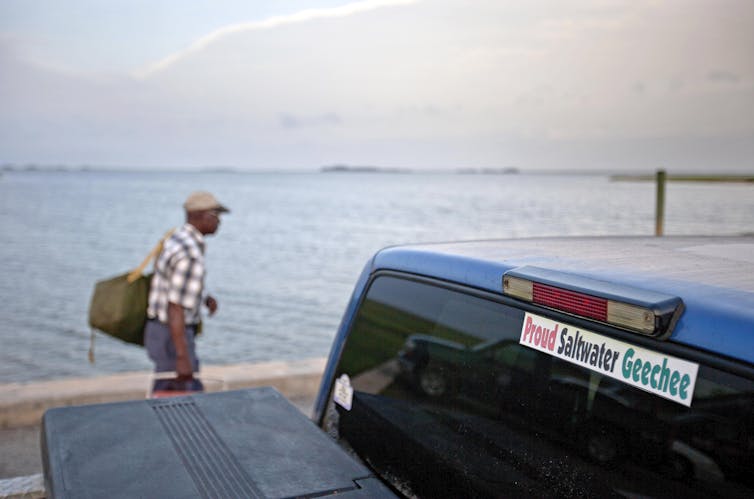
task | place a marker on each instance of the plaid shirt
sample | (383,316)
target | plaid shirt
(179,276)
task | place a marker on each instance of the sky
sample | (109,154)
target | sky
(617,85)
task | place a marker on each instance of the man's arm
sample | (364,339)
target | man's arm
(177,325)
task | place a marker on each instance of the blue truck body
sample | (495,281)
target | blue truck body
(713,275)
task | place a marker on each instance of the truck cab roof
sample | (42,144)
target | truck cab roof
(712,275)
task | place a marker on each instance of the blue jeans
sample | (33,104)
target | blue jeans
(161,350)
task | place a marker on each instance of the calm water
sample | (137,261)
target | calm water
(284,261)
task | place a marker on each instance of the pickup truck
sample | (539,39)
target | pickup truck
(548,367)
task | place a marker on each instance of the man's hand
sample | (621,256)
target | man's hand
(211,305)
(183,368)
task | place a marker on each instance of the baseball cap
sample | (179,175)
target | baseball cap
(203,201)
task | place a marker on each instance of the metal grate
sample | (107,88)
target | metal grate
(215,471)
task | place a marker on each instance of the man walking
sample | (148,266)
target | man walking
(176,295)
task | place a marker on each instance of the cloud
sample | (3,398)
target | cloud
(271,23)
(292,121)
(428,84)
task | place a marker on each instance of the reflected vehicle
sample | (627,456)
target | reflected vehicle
(714,440)
(604,418)
(443,368)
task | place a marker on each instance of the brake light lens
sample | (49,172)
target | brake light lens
(569,301)
(641,311)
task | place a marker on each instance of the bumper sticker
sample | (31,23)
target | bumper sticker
(669,377)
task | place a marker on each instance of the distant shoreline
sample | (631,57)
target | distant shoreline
(685,178)
(9,168)
(379,169)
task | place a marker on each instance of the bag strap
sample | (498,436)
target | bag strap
(136,273)
(91,346)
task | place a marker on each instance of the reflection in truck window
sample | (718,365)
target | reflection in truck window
(447,402)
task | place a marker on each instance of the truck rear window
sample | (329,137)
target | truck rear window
(446,402)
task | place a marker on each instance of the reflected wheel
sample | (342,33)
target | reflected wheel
(433,382)
(679,468)
(603,447)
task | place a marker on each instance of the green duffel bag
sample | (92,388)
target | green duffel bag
(119,307)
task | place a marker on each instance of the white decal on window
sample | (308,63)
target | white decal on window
(343,392)
(669,377)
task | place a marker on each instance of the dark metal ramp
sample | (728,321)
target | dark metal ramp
(239,444)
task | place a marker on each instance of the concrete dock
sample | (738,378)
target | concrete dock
(22,406)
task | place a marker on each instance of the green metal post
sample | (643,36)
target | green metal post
(660,208)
